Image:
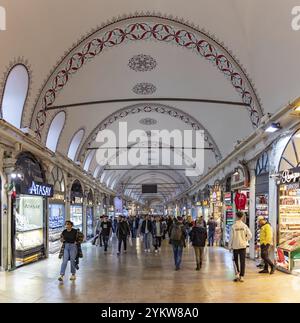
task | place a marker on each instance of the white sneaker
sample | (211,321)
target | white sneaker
(241,279)
(156,251)
(73,277)
(237,278)
(149,250)
(61,278)
(146,250)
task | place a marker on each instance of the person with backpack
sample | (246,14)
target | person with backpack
(177,239)
(239,238)
(198,236)
(266,241)
(123,231)
(212,224)
(146,230)
(106,228)
(70,239)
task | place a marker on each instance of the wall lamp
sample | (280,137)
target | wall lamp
(273,127)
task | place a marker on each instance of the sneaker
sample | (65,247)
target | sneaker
(177,268)
(61,278)
(146,250)
(241,279)
(272,270)
(264,271)
(156,251)
(73,277)
(149,250)
(125,251)
(237,278)
(77,267)
(118,252)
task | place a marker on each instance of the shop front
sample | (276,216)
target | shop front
(56,215)
(76,205)
(216,209)
(29,201)
(228,210)
(90,215)
(288,240)
(205,203)
(261,196)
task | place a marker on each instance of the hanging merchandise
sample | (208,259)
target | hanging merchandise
(240,201)
(229,217)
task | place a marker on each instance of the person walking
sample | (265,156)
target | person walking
(239,238)
(146,230)
(266,241)
(212,224)
(198,236)
(123,231)
(177,239)
(106,230)
(70,238)
(157,233)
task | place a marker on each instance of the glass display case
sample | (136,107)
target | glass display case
(29,228)
(89,223)
(288,250)
(76,216)
(56,226)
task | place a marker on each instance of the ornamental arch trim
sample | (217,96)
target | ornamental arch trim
(145,27)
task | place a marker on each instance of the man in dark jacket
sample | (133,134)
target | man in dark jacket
(177,239)
(212,224)
(106,228)
(146,230)
(198,237)
(123,231)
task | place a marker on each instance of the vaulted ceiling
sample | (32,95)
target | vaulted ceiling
(152,70)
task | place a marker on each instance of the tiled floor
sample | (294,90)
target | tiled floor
(139,277)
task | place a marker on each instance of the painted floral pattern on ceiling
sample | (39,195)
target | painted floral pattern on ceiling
(144,88)
(142,63)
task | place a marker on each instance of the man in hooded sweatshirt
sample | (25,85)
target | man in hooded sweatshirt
(198,237)
(239,238)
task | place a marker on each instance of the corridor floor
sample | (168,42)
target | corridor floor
(139,277)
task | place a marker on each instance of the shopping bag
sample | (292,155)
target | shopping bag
(130,241)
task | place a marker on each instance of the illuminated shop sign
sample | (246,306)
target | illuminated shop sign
(38,189)
(290,176)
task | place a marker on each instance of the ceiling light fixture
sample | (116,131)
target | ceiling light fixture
(273,127)
(297,109)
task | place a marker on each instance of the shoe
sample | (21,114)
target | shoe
(118,252)
(241,279)
(264,271)
(146,250)
(149,250)
(73,277)
(237,278)
(156,251)
(198,267)
(272,270)
(77,267)
(125,251)
(61,278)
(177,268)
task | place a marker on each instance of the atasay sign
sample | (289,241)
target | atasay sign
(40,189)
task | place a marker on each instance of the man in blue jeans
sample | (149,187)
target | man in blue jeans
(177,239)
(146,230)
(212,224)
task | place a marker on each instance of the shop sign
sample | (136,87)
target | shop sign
(37,189)
(58,197)
(289,177)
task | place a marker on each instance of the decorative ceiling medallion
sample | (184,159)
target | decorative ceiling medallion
(142,63)
(148,121)
(144,88)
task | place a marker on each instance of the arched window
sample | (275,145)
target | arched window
(55,129)
(14,95)
(88,160)
(57,180)
(74,145)
(291,154)
(96,172)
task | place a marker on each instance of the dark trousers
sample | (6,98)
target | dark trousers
(105,241)
(101,239)
(177,250)
(265,256)
(124,240)
(211,238)
(240,253)
(157,242)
